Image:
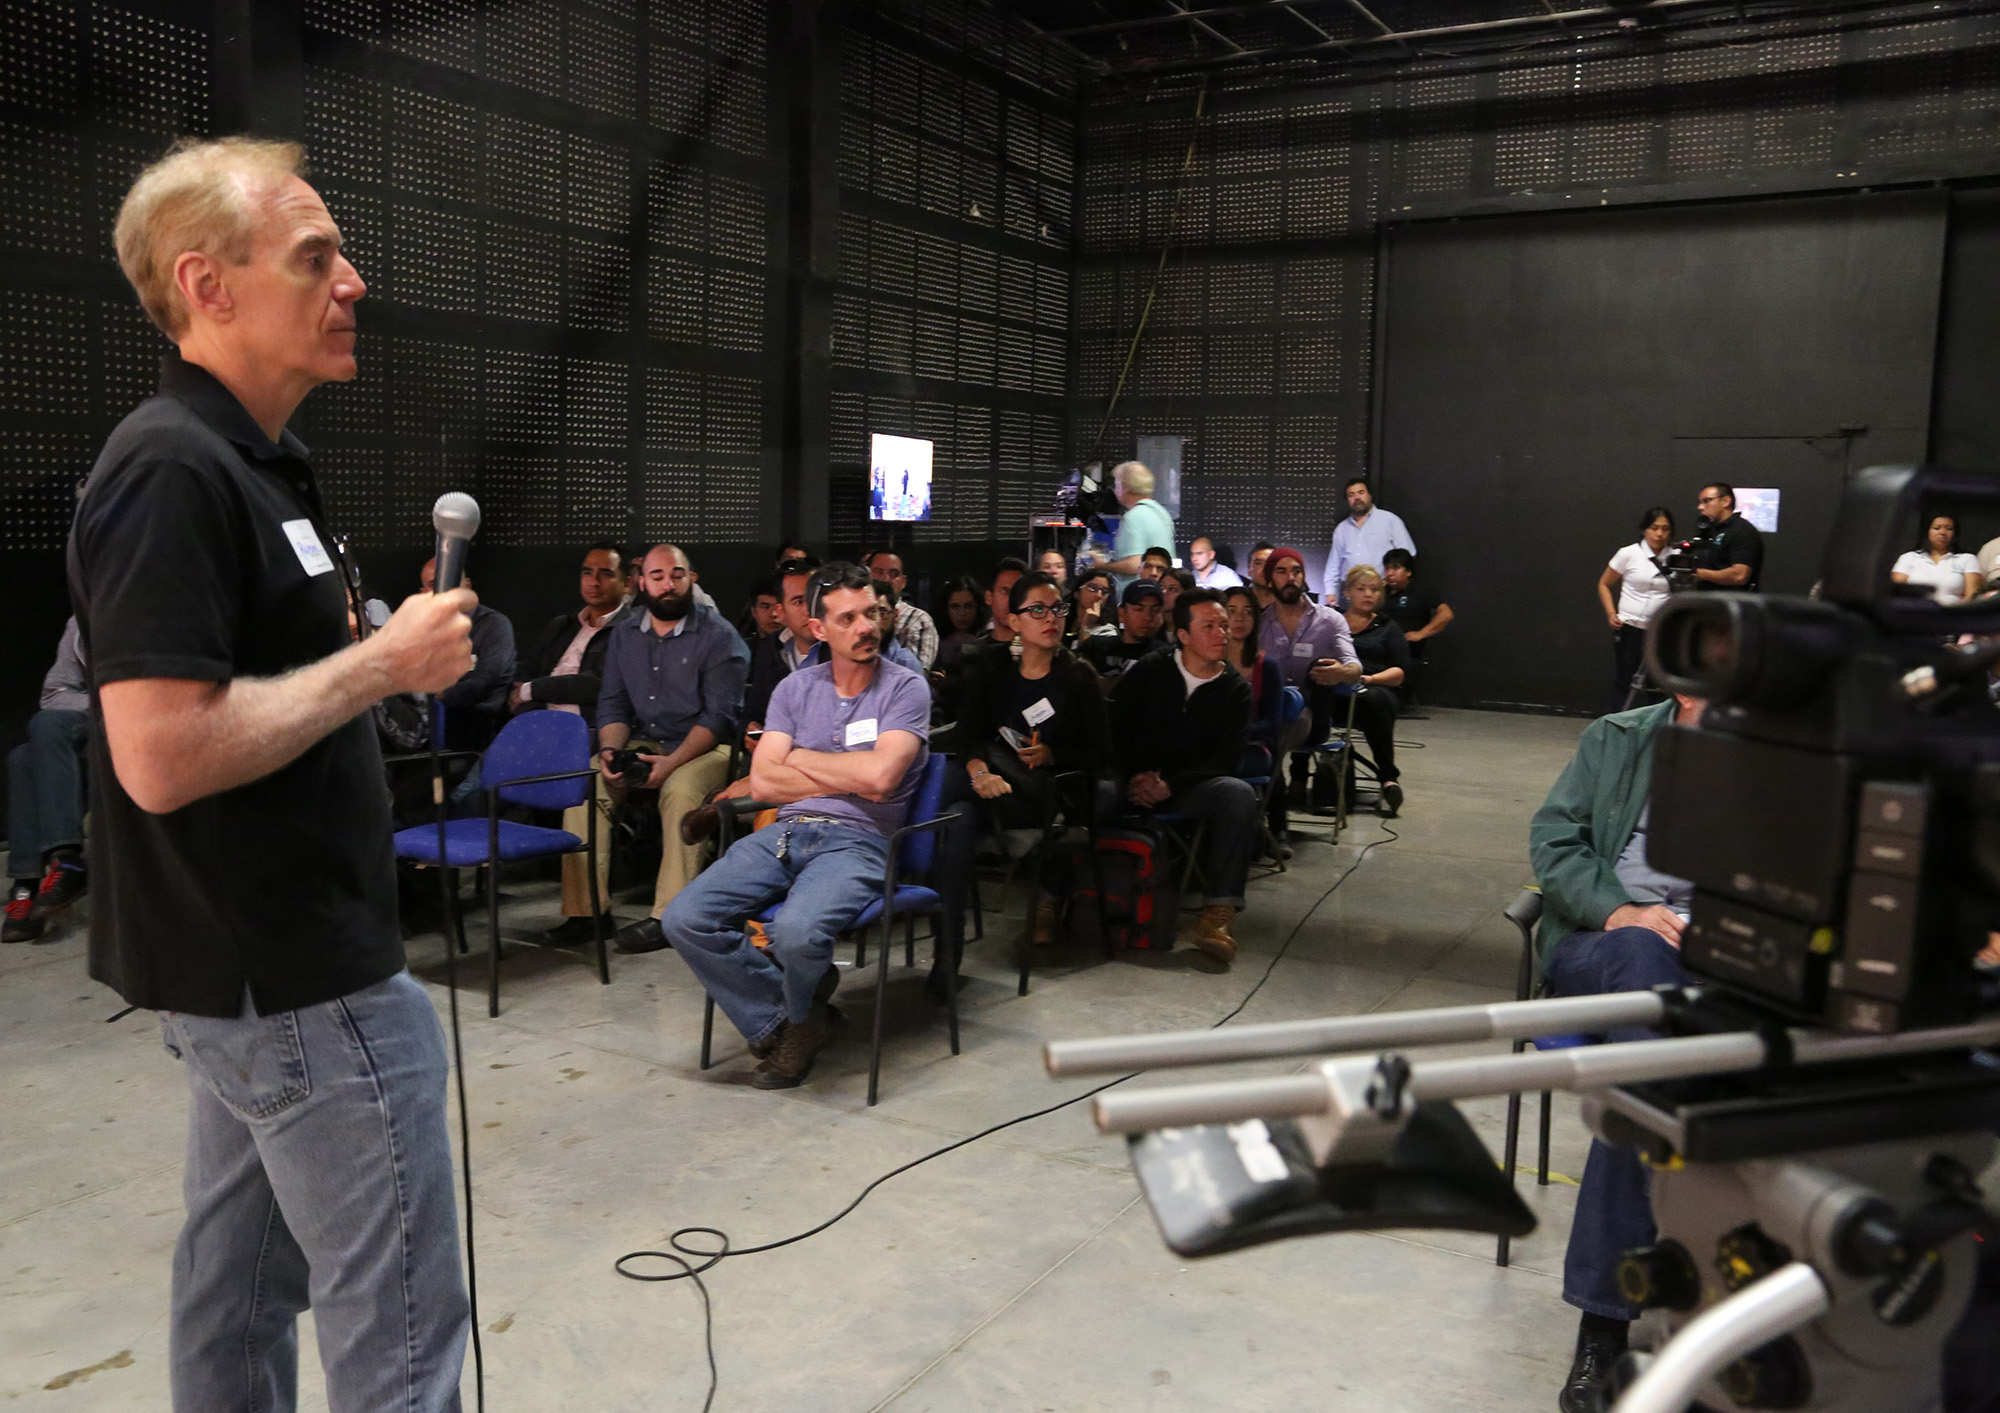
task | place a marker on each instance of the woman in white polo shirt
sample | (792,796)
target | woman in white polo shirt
(1937,565)
(1642,587)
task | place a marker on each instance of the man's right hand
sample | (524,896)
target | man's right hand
(427,643)
(1654,916)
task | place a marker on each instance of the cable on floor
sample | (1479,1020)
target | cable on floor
(686,1256)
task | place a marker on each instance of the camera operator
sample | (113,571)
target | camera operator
(674,676)
(1733,547)
(1610,922)
(1642,587)
(1144,525)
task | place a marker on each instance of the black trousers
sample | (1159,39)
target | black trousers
(1375,715)
(1628,654)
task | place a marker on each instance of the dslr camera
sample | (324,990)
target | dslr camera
(629,766)
(1839,807)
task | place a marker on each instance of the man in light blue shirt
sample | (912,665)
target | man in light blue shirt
(1363,538)
(1144,524)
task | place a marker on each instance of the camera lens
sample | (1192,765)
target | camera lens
(1745,649)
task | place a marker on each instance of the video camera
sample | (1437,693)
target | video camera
(1817,1107)
(1084,496)
(1680,561)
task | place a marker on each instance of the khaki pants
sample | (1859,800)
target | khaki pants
(685,789)
(575,867)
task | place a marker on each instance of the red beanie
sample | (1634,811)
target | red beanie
(1281,552)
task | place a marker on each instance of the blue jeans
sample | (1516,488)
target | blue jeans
(45,790)
(826,873)
(1614,1212)
(318,1176)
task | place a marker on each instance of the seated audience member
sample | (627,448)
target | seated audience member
(999,635)
(789,551)
(762,616)
(1055,564)
(674,675)
(1110,654)
(776,657)
(1210,572)
(843,749)
(1090,608)
(45,799)
(1259,553)
(915,629)
(885,619)
(1173,583)
(1385,661)
(1155,562)
(1179,723)
(1420,613)
(475,703)
(564,671)
(1314,650)
(1246,655)
(1937,565)
(1049,700)
(959,612)
(1610,922)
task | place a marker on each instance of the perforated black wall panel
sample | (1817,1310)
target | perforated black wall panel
(950,316)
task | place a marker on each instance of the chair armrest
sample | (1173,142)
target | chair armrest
(539,779)
(731,812)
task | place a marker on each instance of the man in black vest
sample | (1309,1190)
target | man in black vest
(245,885)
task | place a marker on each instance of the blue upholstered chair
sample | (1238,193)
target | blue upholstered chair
(540,759)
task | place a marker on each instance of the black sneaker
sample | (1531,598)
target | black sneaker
(1391,802)
(641,936)
(574,932)
(21,925)
(64,884)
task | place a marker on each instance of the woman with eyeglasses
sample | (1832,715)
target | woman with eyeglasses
(1937,565)
(1028,716)
(1088,602)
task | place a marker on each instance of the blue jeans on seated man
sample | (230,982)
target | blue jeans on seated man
(318,1176)
(45,790)
(1614,1212)
(826,873)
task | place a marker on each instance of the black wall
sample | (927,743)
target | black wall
(1548,378)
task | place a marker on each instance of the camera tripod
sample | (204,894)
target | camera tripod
(1813,1190)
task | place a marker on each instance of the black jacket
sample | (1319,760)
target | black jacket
(1156,725)
(539,665)
(1078,733)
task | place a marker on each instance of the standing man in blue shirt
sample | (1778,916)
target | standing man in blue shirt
(1364,537)
(676,674)
(1144,524)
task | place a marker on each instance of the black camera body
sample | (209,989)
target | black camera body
(632,768)
(1681,560)
(1838,809)
(1086,496)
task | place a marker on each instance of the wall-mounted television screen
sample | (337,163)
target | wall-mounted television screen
(899,477)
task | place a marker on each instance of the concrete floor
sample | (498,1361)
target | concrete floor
(1022,1273)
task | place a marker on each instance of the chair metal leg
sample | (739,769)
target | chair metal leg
(950,955)
(861,947)
(881,1000)
(910,940)
(1543,1179)
(1507,1165)
(492,941)
(978,909)
(707,1028)
(597,904)
(454,913)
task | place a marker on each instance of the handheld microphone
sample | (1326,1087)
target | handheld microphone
(455,517)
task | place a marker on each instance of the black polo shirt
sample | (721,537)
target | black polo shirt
(1410,609)
(1736,541)
(200,552)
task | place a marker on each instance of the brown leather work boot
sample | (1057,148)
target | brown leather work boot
(791,1059)
(1211,932)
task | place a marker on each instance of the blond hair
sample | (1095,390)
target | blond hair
(200,196)
(1133,476)
(1360,574)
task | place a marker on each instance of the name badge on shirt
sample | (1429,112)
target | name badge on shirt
(860,733)
(1038,713)
(1302,649)
(313,557)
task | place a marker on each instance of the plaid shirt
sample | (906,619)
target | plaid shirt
(916,631)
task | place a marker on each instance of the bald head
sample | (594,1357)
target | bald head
(666,583)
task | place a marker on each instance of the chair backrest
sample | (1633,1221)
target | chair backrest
(919,850)
(539,743)
(1294,707)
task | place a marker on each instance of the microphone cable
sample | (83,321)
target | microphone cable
(686,1257)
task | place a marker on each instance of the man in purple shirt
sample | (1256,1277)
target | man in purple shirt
(1314,651)
(844,745)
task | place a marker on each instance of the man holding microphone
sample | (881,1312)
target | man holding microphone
(240,826)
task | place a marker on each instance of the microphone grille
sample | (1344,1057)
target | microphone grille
(455,516)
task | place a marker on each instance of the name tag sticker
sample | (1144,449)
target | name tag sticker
(313,557)
(860,733)
(1038,713)
(1302,649)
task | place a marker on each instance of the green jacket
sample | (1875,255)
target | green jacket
(1588,819)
